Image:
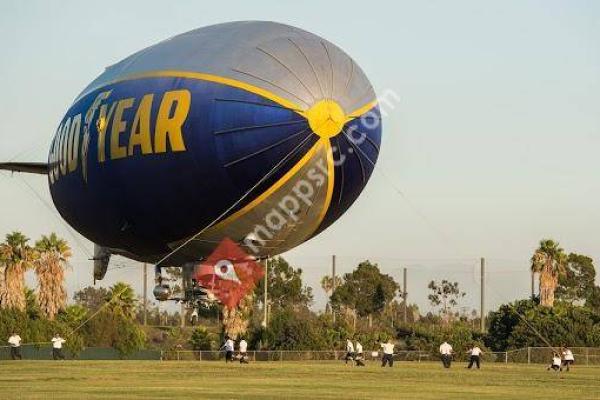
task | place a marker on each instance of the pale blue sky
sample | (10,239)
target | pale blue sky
(494,142)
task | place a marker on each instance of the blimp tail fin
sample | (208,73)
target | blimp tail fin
(29,167)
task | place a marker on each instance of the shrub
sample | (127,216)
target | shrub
(113,329)
(202,339)
(524,323)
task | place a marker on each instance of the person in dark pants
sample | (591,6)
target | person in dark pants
(15,346)
(243,351)
(349,351)
(359,358)
(568,358)
(388,354)
(475,353)
(57,342)
(446,353)
(228,347)
(556,363)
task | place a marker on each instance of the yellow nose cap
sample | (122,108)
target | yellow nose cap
(326,118)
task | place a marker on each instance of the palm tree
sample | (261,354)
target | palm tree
(53,253)
(550,261)
(236,320)
(327,286)
(16,256)
(2,272)
(122,299)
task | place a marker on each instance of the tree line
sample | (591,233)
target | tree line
(364,304)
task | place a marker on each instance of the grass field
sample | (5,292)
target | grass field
(310,380)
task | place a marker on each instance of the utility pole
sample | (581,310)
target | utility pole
(182,304)
(332,284)
(266,294)
(145,286)
(532,285)
(404,296)
(482,310)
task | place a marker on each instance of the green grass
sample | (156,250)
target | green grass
(291,380)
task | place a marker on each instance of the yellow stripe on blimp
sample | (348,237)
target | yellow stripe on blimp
(330,180)
(361,110)
(210,78)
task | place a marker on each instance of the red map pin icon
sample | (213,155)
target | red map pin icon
(229,273)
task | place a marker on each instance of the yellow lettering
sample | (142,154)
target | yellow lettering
(57,152)
(102,124)
(64,144)
(52,163)
(169,122)
(140,129)
(118,126)
(74,143)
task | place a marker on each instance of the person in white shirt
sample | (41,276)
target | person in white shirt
(194,317)
(556,363)
(228,347)
(446,353)
(57,343)
(359,359)
(567,358)
(349,350)
(475,358)
(15,346)
(388,354)
(243,351)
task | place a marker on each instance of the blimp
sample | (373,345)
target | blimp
(254,131)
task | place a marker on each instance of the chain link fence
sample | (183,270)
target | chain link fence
(44,352)
(543,355)
(310,355)
(527,355)
(288,355)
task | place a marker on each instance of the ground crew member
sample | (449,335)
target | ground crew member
(15,346)
(57,343)
(228,347)
(388,354)
(349,350)
(556,363)
(475,356)
(359,355)
(446,353)
(194,317)
(243,352)
(567,358)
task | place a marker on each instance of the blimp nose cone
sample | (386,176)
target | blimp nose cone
(326,118)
